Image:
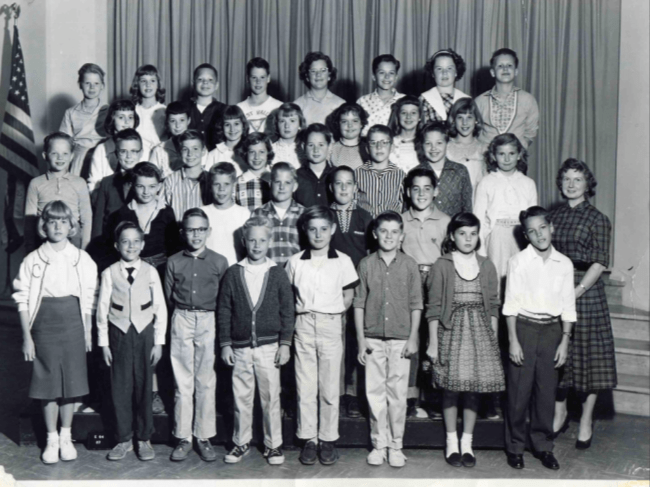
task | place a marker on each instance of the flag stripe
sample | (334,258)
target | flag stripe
(17,149)
(18,126)
(18,113)
(11,162)
(17,135)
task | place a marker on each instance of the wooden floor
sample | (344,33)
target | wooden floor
(621,449)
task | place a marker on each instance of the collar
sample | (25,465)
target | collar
(493,92)
(248,176)
(399,257)
(198,178)
(48,254)
(194,101)
(50,175)
(135,264)
(395,94)
(479,258)
(203,254)
(331,254)
(580,207)
(352,206)
(307,171)
(531,254)
(100,107)
(268,263)
(437,214)
(515,176)
(311,96)
(292,208)
(222,148)
(369,166)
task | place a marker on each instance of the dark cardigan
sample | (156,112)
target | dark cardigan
(272,319)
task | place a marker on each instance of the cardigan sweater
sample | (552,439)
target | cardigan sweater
(441,289)
(244,324)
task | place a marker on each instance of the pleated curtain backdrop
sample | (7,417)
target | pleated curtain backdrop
(568,51)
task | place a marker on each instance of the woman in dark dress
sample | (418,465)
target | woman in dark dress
(583,234)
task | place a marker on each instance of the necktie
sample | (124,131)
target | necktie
(130,278)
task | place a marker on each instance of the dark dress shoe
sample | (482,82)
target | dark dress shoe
(515,460)
(411,411)
(454,459)
(563,429)
(309,454)
(582,445)
(468,460)
(548,459)
(354,412)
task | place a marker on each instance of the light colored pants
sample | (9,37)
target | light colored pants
(257,365)
(319,349)
(387,378)
(192,357)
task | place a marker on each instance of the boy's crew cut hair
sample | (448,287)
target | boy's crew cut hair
(316,212)
(257,221)
(126,225)
(388,216)
(191,135)
(198,69)
(385,58)
(420,172)
(458,60)
(90,68)
(47,142)
(581,167)
(312,129)
(333,120)
(147,69)
(461,219)
(464,106)
(287,109)
(178,108)
(250,140)
(379,129)
(258,63)
(56,209)
(303,69)
(502,140)
(194,212)
(146,170)
(119,106)
(393,120)
(338,169)
(530,212)
(128,135)
(231,112)
(283,166)
(504,51)
(223,168)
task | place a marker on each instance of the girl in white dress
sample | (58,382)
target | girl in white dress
(148,94)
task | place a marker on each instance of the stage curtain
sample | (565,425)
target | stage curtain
(568,52)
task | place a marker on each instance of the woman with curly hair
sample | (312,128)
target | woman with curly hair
(446,67)
(318,73)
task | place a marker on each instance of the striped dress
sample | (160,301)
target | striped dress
(583,234)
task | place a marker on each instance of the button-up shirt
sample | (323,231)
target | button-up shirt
(253,192)
(312,190)
(183,192)
(192,282)
(423,238)
(286,239)
(379,190)
(378,110)
(201,121)
(388,293)
(454,186)
(537,288)
(316,111)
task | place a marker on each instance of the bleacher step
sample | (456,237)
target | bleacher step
(632,395)
(630,323)
(632,357)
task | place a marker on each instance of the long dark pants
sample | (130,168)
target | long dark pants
(132,381)
(536,380)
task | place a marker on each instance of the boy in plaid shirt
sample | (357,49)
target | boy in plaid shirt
(283,211)
(253,186)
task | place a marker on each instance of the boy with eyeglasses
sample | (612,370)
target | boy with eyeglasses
(191,287)
(379,182)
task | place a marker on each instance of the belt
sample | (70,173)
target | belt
(424,268)
(541,321)
(193,309)
(507,222)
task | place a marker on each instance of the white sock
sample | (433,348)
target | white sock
(466,444)
(53,436)
(65,433)
(452,443)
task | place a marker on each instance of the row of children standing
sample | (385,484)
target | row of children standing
(277,198)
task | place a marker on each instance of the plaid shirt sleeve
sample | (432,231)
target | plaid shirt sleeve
(601,232)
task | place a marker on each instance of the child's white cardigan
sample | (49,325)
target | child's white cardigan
(28,285)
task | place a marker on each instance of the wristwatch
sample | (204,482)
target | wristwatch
(568,334)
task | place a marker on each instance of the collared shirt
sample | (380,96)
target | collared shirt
(388,293)
(318,282)
(287,153)
(454,187)
(423,238)
(83,125)
(152,122)
(316,111)
(433,104)
(104,161)
(257,114)
(378,110)
(192,282)
(253,192)
(379,190)
(61,277)
(68,188)
(167,158)
(312,190)
(226,235)
(202,120)
(254,276)
(537,288)
(223,154)
(286,239)
(183,193)
(104,302)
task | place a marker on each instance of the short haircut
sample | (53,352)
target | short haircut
(379,129)
(147,69)
(388,216)
(459,62)
(126,225)
(393,121)
(530,212)
(146,170)
(257,221)
(282,166)
(258,63)
(503,140)
(334,119)
(435,126)
(90,68)
(461,219)
(178,108)
(194,212)
(191,135)
(250,140)
(287,109)
(127,135)
(47,142)
(464,106)
(420,172)
(316,128)
(311,57)
(504,51)
(231,112)
(338,169)
(198,69)
(119,106)
(223,168)
(317,212)
(581,167)
(385,58)
(57,210)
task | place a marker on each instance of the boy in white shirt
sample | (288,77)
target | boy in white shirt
(259,103)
